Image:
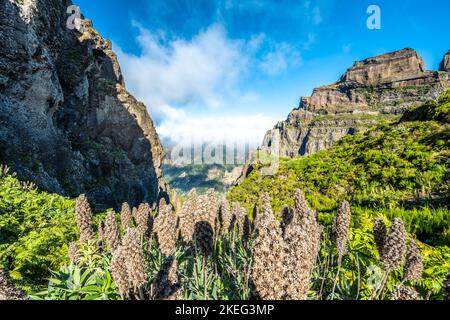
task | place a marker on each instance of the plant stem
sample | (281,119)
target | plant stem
(324,274)
(375,292)
(141,294)
(337,277)
(204,278)
(380,294)
(359,276)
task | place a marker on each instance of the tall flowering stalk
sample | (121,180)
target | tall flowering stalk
(134,261)
(413,268)
(340,230)
(302,242)
(225,215)
(126,217)
(119,272)
(187,216)
(165,227)
(83,217)
(393,251)
(267,273)
(111,232)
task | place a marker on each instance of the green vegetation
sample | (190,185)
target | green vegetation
(88,281)
(35,228)
(394,170)
(375,118)
(199,176)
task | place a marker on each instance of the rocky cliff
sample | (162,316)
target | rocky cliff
(445,64)
(67,122)
(373,89)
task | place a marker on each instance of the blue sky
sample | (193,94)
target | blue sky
(235,67)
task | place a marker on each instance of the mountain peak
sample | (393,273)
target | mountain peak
(372,89)
(387,67)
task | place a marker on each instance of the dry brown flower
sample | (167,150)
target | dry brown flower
(207,208)
(144,219)
(287,215)
(167,285)
(126,218)
(414,264)
(340,228)
(7,289)
(239,214)
(165,227)
(302,244)
(134,258)
(111,232)
(402,292)
(267,274)
(395,245)
(301,207)
(225,214)
(83,217)
(119,272)
(380,233)
(204,235)
(74,254)
(187,216)
(134,212)
(248,227)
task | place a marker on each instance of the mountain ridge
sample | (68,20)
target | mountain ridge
(373,89)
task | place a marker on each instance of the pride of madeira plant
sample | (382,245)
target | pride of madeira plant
(203,252)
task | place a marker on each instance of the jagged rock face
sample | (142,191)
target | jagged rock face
(385,68)
(445,64)
(375,88)
(67,121)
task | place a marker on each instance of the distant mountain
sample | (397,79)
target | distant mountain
(371,90)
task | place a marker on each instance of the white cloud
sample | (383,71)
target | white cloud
(346,48)
(309,42)
(317,16)
(178,72)
(172,76)
(243,128)
(280,58)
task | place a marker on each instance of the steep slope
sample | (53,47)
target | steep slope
(372,90)
(68,123)
(397,170)
(445,64)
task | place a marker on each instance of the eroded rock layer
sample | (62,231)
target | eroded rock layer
(371,90)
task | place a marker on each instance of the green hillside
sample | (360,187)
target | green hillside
(395,170)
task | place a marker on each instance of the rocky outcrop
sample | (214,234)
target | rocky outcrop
(67,122)
(445,64)
(373,89)
(386,68)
